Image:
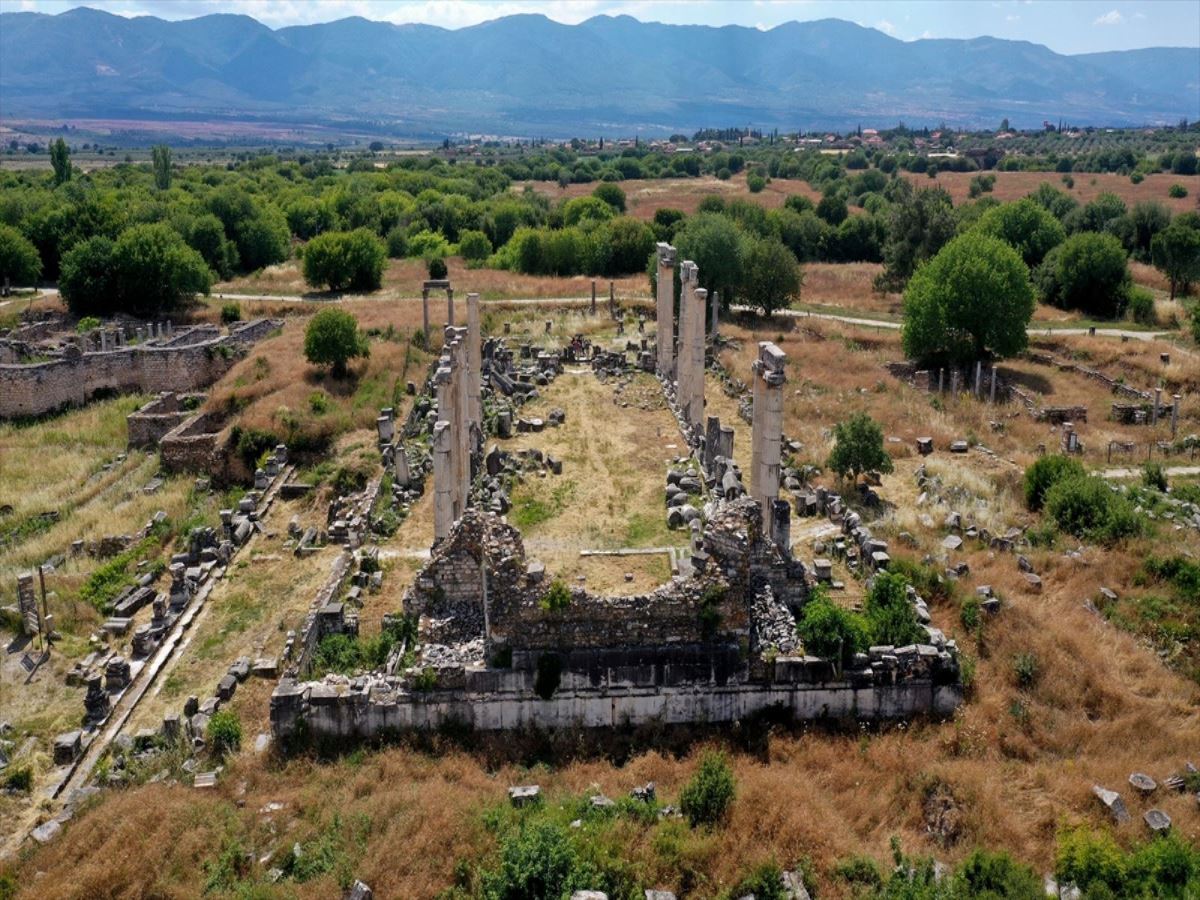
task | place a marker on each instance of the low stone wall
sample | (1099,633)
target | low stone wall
(495,700)
(194,446)
(33,390)
(151,422)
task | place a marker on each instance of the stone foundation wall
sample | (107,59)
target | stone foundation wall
(151,422)
(335,711)
(33,390)
(194,446)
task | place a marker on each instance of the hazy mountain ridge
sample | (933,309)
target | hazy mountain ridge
(529,75)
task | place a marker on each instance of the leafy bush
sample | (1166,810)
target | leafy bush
(890,613)
(231,312)
(858,447)
(19,260)
(755,183)
(1141,306)
(859,870)
(1163,867)
(764,882)
(557,597)
(224,732)
(1087,508)
(996,875)
(332,339)
(1154,476)
(1044,473)
(827,630)
(1088,272)
(436,267)
(1025,669)
(538,862)
(1025,226)
(474,246)
(19,778)
(612,195)
(707,797)
(397,243)
(1177,191)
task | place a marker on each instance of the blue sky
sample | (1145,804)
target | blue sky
(1067,26)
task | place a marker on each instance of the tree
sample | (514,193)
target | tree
(345,260)
(620,246)
(161,154)
(712,241)
(706,799)
(755,183)
(612,195)
(583,208)
(86,279)
(332,339)
(19,260)
(1026,227)
(772,277)
(155,270)
(919,225)
(1058,203)
(890,613)
(1175,251)
(206,235)
(474,246)
(1098,215)
(971,301)
(60,159)
(832,208)
(1088,272)
(858,447)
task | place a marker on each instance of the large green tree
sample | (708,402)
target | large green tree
(971,301)
(1088,272)
(345,260)
(161,156)
(1025,226)
(19,260)
(147,271)
(713,242)
(1176,252)
(771,275)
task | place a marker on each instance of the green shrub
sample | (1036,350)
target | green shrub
(538,861)
(1086,507)
(996,875)
(1044,474)
(707,797)
(859,870)
(1177,191)
(970,612)
(764,882)
(890,614)
(1141,306)
(557,597)
(224,732)
(397,243)
(829,631)
(1154,476)
(1025,669)
(86,324)
(345,260)
(474,246)
(1136,177)
(231,312)
(19,778)
(755,183)
(436,266)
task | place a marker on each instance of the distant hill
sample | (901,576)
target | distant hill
(528,75)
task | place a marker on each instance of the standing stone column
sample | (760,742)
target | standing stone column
(593,296)
(456,339)
(443,379)
(474,363)
(767,429)
(715,314)
(695,408)
(443,482)
(450,306)
(425,314)
(664,309)
(1175,398)
(1157,403)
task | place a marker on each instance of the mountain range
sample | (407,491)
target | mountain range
(527,75)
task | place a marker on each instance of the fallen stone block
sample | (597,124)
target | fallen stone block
(1112,801)
(525,795)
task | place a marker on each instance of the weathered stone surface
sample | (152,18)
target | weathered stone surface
(1157,821)
(1112,801)
(525,795)
(1143,783)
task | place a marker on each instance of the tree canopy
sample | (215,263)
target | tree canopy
(1026,227)
(971,301)
(19,260)
(1176,252)
(332,339)
(345,260)
(1087,272)
(858,447)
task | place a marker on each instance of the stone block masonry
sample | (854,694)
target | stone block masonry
(73,379)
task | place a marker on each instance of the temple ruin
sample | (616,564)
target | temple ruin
(503,644)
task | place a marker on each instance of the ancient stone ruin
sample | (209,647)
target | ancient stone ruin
(502,644)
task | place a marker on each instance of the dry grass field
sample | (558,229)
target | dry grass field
(411,819)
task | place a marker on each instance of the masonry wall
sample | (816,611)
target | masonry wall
(194,446)
(151,422)
(32,390)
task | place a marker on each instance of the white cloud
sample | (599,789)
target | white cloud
(926,35)
(1112,17)
(885,26)
(1012,18)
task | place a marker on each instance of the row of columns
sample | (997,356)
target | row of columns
(665,308)
(459,426)
(693,308)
